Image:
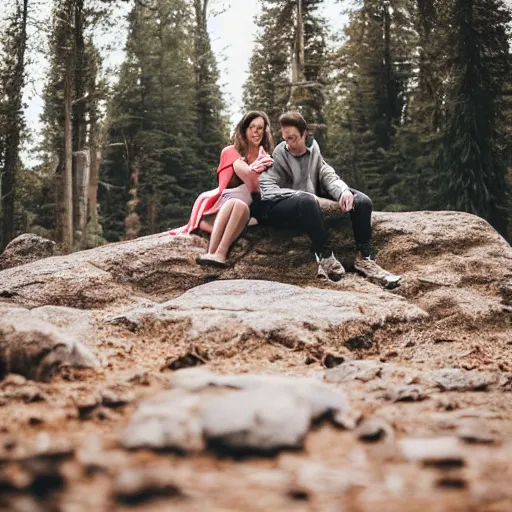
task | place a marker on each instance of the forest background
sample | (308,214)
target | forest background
(410,101)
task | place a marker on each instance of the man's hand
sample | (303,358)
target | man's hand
(347,201)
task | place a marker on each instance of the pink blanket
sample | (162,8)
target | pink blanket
(206,201)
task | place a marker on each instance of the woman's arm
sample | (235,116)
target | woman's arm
(247,175)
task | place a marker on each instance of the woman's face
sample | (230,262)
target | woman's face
(255,131)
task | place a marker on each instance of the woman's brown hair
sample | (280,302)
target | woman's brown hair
(239,139)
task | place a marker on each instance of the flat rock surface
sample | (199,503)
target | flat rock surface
(258,387)
(277,312)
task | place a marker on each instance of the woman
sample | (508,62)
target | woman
(224,211)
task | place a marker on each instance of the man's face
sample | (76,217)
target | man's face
(295,142)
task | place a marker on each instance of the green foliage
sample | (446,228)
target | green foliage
(475,172)
(371,74)
(416,112)
(165,114)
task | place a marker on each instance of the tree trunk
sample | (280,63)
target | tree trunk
(389,93)
(79,125)
(81,167)
(94,172)
(297,64)
(14,93)
(66,207)
(132,220)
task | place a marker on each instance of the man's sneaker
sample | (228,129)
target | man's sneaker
(329,268)
(375,273)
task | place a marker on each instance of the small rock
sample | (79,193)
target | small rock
(454,379)
(36,349)
(111,397)
(140,376)
(196,357)
(475,433)
(137,486)
(452,482)
(441,452)
(85,403)
(401,393)
(363,342)
(247,412)
(24,249)
(35,419)
(351,370)
(446,403)
(13,379)
(102,414)
(331,360)
(28,394)
(348,419)
(373,430)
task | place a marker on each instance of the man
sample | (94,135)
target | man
(289,191)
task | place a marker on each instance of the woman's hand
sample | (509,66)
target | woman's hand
(260,165)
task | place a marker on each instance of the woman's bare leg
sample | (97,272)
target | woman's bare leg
(237,220)
(205,226)
(219,226)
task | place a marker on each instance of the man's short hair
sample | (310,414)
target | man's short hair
(293,118)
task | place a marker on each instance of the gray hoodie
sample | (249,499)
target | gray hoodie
(289,174)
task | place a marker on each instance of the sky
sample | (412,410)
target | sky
(232,34)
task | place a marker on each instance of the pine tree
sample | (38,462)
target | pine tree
(475,173)
(12,79)
(368,99)
(72,97)
(161,129)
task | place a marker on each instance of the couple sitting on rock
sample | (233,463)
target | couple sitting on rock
(281,191)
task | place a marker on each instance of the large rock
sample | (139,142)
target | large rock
(446,258)
(24,249)
(37,349)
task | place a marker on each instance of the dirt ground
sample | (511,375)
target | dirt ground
(59,448)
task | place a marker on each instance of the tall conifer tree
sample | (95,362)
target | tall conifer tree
(165,124)
(368,99)
(475,172)
(12,80)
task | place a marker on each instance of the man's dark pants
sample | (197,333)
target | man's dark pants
(301,212)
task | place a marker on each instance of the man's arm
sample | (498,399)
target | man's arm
(331,182)
(272,184)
